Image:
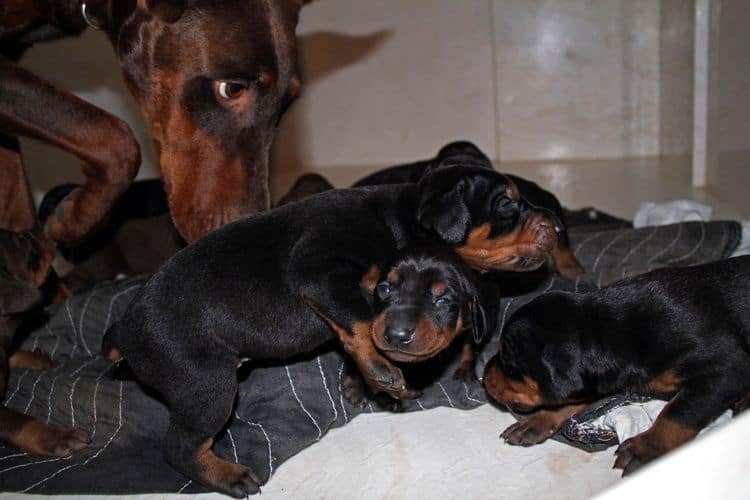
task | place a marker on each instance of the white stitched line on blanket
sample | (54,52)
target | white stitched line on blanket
(639,245)
(268,441)
(695,248)
(92,457)
(419,403)
(83,311)
(341,394)
(73,325)
(330,396)
(72,390)
(234,448)
(549,287)
(294,391)
(605,248)
(57,342)
(580,245)
(185,486)
(502,321)
(51,391)
(450,401)
(466,391)
(112,301)
(20,379)
(6,457)
(20,466)
(33,388)
(668,247)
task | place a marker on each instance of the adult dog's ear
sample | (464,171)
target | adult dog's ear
(168,11)
(444,210)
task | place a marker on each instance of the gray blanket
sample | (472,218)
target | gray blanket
(282,408)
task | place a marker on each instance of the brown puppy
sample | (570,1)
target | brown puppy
(212,79)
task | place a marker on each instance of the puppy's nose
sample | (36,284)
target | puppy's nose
(398,336)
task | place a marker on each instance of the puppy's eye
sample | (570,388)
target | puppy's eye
(230,89)
(384,290)
(505,205)
(442,301)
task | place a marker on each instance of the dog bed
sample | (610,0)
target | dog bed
(281,409)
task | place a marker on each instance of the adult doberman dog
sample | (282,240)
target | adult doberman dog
(251,289)
(212,78)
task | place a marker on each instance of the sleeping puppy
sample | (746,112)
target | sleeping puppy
(258,288)
(679,334)
(467,154)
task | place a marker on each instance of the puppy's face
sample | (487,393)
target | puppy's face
(508,386)
(538,361)
(481,212)
(421,304)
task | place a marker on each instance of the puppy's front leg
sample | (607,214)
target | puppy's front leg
(543,425)
(379,373)
(698,403)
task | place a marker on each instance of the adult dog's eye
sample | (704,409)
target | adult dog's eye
(230,89)
(384,290)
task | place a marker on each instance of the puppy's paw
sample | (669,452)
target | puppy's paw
(354,389)
(233,479)
(533,431)
(39,438)
(635,452)
(36,360)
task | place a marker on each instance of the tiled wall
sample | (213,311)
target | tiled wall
(392,80)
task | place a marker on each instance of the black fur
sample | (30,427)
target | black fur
(687,328)
(241,291)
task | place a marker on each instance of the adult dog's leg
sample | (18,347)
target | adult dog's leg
(107,149)
(23,431)
(17,212)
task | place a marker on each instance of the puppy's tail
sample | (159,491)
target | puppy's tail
(111,350)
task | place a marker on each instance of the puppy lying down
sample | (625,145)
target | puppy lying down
(678,334)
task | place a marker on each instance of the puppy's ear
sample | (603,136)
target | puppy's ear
(485,306)
(444,210)
(168,11)
(478,320)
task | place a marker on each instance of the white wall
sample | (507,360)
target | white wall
(392,80)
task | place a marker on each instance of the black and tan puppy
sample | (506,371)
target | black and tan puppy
(681,334)
(468,154)
(253,289)
(25,260)
(420,304)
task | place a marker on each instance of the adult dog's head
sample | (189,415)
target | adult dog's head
(213,79)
